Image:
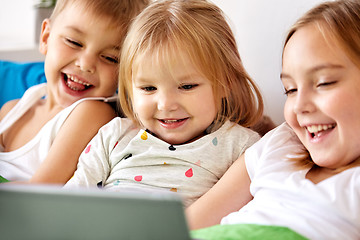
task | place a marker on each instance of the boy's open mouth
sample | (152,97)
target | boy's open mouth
(75,84)
(318,130)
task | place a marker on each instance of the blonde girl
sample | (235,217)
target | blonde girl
(188,100)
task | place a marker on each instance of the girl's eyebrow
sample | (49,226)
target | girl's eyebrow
(315,69)
(325,66)
(143,81)
(184,77)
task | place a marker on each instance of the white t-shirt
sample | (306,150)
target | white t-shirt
(284,197)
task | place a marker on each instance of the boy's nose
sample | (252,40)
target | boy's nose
(86,63)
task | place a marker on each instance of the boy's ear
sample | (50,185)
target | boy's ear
(44,36)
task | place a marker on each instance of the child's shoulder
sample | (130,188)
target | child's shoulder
(90,114)
(120,124)
(280,139)
(118,128)
(123,122)
(94,106)
(239,131)
(282,133)
(94,109)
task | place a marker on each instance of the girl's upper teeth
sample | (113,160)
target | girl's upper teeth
(170,121)
(75,79)
(318,128)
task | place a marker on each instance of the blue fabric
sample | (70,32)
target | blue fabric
(16,78)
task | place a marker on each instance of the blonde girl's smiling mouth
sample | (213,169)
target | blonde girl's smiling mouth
(172,123)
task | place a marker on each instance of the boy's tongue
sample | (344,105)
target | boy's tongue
(75,86)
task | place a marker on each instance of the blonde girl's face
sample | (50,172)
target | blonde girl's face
(81,55)
(323,98)
(172,99)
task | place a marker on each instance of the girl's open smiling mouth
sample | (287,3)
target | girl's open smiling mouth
(320,129)
(172,123)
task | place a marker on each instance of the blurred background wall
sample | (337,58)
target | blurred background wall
(260,27)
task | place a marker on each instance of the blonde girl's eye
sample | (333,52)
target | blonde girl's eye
(149,89)
(73,43)
(188,86)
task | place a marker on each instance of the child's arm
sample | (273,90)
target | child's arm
(77,131)
(3,111)
(229,194)
(7,107)
(93,167)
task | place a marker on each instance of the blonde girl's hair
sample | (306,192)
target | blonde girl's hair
(339,23)
(198,28)
(119,13)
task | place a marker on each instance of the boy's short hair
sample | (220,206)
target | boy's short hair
(118,12)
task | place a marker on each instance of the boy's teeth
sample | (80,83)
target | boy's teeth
(74,79)
(318,128)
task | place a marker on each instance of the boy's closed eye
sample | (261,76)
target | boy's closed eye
(106,57)
(73,43)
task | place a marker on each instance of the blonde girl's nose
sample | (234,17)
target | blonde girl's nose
(167,101)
